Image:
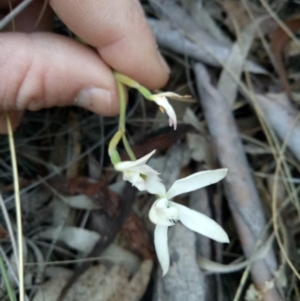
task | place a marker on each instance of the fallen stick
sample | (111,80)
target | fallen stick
(199,201)
(182,35)
(242,196)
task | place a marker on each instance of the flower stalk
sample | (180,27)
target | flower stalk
(120,134)
(122,106)
(112,147)
(125,80)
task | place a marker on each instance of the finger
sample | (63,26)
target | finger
(43,70)
(119,30)
(35,16)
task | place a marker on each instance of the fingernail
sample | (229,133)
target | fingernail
(96,100)
(163,63)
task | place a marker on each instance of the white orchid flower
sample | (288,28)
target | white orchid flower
(165,213)
(162,101)
(164,105)
(142,176)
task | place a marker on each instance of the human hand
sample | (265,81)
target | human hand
(42,70)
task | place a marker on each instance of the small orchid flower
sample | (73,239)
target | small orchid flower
(142,176)
(162,101)
(164,105)
(165,213)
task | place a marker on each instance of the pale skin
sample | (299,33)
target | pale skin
(42,70)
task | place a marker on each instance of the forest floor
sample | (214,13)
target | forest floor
(86,230)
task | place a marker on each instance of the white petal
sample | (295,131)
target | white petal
(130,176)
(162,214)
(161,247)
(163,102)
(170,95)
(140,184)
(196,181)
(121,166)
(201,223)
(144,169)
(154,185)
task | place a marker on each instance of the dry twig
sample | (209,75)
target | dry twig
(188,39)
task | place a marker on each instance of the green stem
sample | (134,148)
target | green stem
(145,92)
(122,106)
(112,148)
(10,292)
(122,96)
(125,80)
(128,148)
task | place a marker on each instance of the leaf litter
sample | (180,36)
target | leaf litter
(74,204)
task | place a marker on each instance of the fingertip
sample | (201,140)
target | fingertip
(144,64)
(120,33)
(99,101)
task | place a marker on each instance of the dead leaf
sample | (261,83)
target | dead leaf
(77,238)
(200,149)
(62,214)
(160,140)
(136,288)
(118,255)
(278,41)
(97,192)
(137,236)
(80,201)
(205,21)
(99,283)
(3,233)
(281,116)
(189,117)
(227,85)
(236,12)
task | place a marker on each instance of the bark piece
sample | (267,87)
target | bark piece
(240,189)
(184,280)
(199,201)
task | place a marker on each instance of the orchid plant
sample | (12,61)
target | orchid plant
(164,213)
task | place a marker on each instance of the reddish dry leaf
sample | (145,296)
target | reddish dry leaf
(236,12)
(160,141)
(23,183)
(3,233)
(278,41)
(137,236)
(97,191)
